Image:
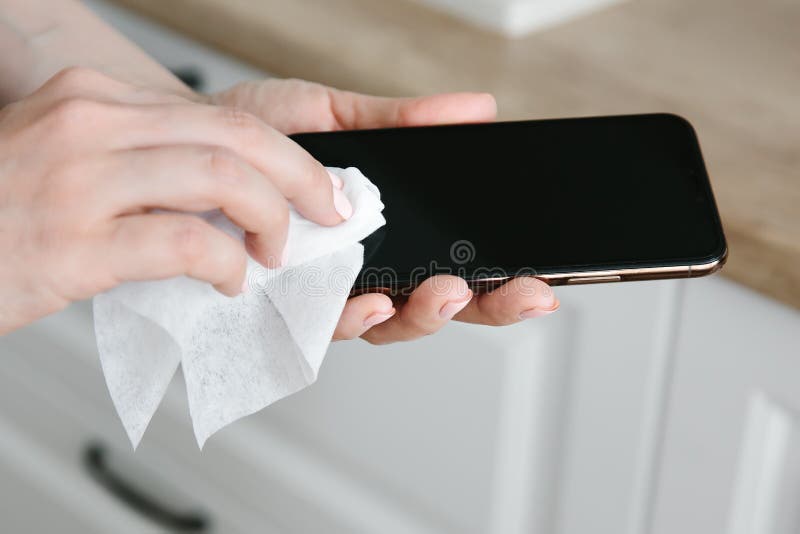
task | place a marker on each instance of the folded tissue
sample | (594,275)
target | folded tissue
(238,354)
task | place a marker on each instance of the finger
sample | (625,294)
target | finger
(353,110)
(157,246)
(362,313)
(429,307)
(299,177)
(192,178)
(518,299)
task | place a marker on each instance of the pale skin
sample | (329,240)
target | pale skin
(88,153)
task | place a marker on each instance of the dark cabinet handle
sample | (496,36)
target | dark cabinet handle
(95,460)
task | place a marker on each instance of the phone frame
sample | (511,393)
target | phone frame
(485,285)
(614,275)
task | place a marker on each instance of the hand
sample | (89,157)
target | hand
(294,106)
(85,160)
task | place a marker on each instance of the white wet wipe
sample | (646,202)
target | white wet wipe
(240,354)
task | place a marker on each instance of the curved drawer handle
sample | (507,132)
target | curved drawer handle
(95,461)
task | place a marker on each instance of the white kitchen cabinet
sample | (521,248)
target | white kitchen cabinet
(466,431)
(566,424)
(731,457)
(650,407)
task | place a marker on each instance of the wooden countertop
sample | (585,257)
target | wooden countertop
(731,67)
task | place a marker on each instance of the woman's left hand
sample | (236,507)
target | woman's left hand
(297,106)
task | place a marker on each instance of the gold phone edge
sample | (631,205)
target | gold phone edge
(588,277)
(614,275)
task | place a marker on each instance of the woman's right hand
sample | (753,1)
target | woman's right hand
(86,159)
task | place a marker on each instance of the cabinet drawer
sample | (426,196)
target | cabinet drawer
(60,436)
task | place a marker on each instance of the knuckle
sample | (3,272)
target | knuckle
(75,78)
(190,240)
(311,178)
(74,113)
(249,129)
(406,113)
(73,81)
(224,167)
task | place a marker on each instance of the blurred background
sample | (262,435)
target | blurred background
(650,407)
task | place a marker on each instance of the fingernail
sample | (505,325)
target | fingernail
(377,318)
(453,307)
(539,312)
(337,182)
(342,205)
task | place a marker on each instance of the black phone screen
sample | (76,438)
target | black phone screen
(546,196)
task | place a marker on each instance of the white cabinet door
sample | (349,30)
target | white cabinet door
(731,459)
(530,428)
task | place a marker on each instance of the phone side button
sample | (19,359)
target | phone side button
(594,279)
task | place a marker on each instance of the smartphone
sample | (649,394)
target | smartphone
(570,201)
